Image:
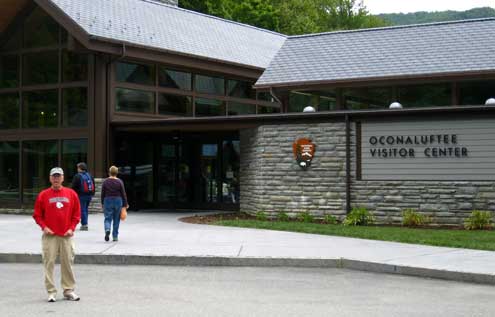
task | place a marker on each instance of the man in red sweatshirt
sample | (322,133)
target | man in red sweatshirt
(57,212)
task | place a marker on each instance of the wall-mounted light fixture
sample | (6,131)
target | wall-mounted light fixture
(309,109)
(490,102)
(395,105)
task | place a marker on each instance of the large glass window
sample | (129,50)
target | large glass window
(14,42)
(320,100)
(9,71)
(175,79)
(476,92)
(135,73)
(75,107)
(298,101)
(38,158)
(135,100)
(209,107)
(40,30)
(9,170)
(40,68)
(74,66)
(236,109)
(73,152)
(9,111)
(267,110)
(40,109)
(367,98)
(240,89)
(210,85)
(425,95)
(174,105)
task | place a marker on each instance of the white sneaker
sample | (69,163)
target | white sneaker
(71,296)
(52,298)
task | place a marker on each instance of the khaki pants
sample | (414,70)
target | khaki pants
(52,247)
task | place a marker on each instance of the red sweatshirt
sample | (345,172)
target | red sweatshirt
(58,210)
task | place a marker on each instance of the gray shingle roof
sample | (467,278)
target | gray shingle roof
(429,49)
(158,26)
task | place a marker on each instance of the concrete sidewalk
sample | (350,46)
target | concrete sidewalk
(160,239)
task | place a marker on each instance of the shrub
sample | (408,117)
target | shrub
(412,218)
(359,216)
(261,215)
(479,220)
(282,216)
(330,219)
(305,217)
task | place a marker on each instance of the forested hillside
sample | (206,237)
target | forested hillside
(426,17)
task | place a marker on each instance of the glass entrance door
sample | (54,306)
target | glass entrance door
(191,172)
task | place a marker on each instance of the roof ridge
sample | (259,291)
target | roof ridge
(393,27)
(159,3)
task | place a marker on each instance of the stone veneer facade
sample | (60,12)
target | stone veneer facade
(271,180)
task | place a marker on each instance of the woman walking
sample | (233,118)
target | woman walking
(113,198)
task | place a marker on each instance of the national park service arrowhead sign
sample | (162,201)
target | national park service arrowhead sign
(304,151)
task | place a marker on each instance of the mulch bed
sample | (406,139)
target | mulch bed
(209,219)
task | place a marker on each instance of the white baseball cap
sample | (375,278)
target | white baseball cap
(56,170)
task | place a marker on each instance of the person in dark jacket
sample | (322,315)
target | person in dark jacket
(84,185)
(113,198)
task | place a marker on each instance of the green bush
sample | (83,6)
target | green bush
(479,220)
(330,219)
(412,218)
(282,216)
(305,217)
(261,215)
(359,216)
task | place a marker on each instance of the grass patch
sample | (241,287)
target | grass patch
(478,240)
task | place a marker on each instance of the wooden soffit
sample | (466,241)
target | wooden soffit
(9,9)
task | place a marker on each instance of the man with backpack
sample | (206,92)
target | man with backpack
(84,185)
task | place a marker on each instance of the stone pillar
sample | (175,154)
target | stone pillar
(95,205)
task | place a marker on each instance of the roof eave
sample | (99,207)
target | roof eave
(339,82)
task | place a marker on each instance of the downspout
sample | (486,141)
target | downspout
(347,164)
(272,93)
(109,94)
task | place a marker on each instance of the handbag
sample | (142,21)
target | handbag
(123,213)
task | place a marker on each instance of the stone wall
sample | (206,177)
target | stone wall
(271,180)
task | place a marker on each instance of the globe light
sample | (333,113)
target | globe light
(309,109)
(395,105)
(490,102)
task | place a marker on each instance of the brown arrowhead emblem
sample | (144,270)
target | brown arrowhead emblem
(304,151)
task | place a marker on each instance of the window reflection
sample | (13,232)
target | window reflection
(9,170)
(9,71)
(476,92)
(73,152)
(9,111)
(175,79)
(236,109)
(75,66)
(135,73)
(38,158)
(40,109)
(75,107)
(135,100)
(174,105)
(367,98)
(210,85)
(40,68)
(40,30)
(209,107)
(425,95)
(240,89)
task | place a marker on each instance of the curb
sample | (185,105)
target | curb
(374,267)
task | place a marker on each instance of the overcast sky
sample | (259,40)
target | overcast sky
(405,6)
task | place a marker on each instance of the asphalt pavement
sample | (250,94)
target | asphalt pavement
(110,290)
